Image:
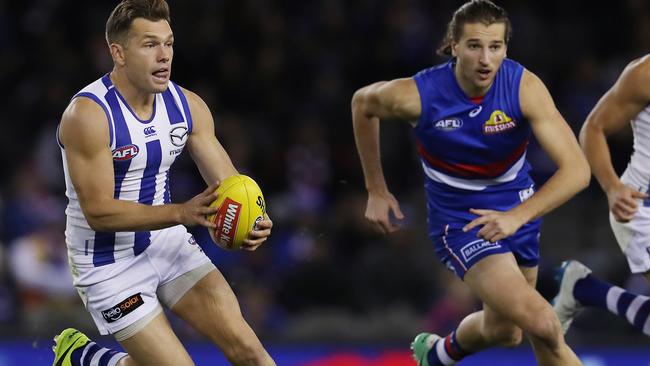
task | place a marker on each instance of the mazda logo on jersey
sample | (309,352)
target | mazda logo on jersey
(127,152)
(178,136)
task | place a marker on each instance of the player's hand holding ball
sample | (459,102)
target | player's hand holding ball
(241,220)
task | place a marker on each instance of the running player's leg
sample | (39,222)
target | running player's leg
(477,331)
(155,344)
(73,348)
(211,308)
(487,328)
(632,307)
(459,251)
(148,340)
(122,299)
(491,327)
(194,289)
(579,288)
(499,282)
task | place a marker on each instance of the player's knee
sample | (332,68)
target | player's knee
(546,328)
(248,354)
(510,338)
(506,336)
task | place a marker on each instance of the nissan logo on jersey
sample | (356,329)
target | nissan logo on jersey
(178,136)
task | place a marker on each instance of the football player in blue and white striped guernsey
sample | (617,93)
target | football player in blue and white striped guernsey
(128,248)
(627,102)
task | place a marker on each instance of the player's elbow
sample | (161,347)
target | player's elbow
(96,223)
(359,99)
(582,173)
(582,135)
(588,131)
(96,216)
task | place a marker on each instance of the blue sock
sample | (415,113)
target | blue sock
(591,291)
(446,351)
(94,355)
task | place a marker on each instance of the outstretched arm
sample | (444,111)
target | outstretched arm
(615,109)
(558,141)
(84,133)
(394,99)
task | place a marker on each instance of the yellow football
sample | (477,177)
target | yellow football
(241,206)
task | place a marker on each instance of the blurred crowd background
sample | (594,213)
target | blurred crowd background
(278,77)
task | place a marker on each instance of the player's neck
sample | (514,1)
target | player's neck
(470,89)
(141,102)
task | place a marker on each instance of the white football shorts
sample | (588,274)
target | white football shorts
(128,291)
(634,239)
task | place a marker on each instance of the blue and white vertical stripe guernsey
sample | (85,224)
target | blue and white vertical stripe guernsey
(143,152)
(637,173)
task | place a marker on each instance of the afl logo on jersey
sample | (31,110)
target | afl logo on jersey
(448,124)
(498,122)
(127,152)
(178,136)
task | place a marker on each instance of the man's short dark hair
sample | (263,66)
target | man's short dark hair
(119,22)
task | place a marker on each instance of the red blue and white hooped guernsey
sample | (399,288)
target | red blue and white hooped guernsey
(470,151)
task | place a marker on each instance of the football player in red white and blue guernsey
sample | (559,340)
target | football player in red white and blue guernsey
(473,117)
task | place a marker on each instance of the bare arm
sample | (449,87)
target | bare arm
(206,151)
(558,141)
(394,99)
(213,160)
(615,109)
(84,133)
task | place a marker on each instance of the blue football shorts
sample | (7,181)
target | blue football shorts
(459,250)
